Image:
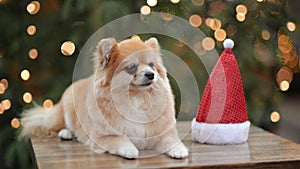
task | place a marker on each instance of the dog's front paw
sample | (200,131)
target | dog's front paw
(66,134)
(128,151)
(179,151)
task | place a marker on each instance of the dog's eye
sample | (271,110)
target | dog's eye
(131,69)
(151,64)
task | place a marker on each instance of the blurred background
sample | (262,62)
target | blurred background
(40,42)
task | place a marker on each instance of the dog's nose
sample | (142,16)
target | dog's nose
(149,75)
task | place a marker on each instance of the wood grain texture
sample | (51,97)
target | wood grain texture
(263,150)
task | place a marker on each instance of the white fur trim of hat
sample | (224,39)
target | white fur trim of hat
(232,133)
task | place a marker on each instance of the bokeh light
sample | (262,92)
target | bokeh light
(145,10)
(284,77)
(48,103)
(67,48)
(195,20)
(198,2)
(6,104)
(265,35)
(136,37)
(1,109)
(220,34)
(31,30)
(152,3)
(208,43)
(241,9)
(25,75)
(33,53)
(33,7)
(175,1)
(240,17)
(214,24)
(208,22)
(284,85)
(291,26)
(27,97)
(2,88)
(15,123)
(284,44)
(275,116)
(259,0)
(4,82)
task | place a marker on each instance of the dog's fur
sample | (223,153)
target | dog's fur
(125,106)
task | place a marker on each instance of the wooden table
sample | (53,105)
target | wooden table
(263,150)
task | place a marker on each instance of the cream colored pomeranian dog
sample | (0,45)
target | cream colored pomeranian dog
(127,104)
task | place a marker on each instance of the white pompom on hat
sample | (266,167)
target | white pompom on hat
(228,44)
(222,116)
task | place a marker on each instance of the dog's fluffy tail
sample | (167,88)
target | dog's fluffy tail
(41,122)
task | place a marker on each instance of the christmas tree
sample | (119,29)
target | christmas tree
(40,41)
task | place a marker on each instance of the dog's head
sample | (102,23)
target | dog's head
(137,63)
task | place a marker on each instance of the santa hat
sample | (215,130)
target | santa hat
(222,115)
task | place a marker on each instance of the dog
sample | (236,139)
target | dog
(125,106)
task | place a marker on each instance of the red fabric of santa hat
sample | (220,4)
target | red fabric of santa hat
(222,115)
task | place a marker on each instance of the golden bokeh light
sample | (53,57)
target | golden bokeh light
(31,30)
(275,116)
(241,9)
(284,44)
(208,22)
(67,48)
(284,85)
(214,24)
(240,17)
(3,85)
(175,1)
(6,104)
(145,10)
(195,20)
(1,109)
(291,26)
(208,43)
(27,97)
(265,35)
(33,53)
(25,74)
(152,3)
(2,88)
(4,82)
(48,103)
(284,74)
(15,123)
(198,2)
(33,7)
(220,34)
(136,37)
(217,24)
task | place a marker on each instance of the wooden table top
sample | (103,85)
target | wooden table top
(263,150)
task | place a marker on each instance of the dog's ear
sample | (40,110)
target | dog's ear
(152,42)
(103,52)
